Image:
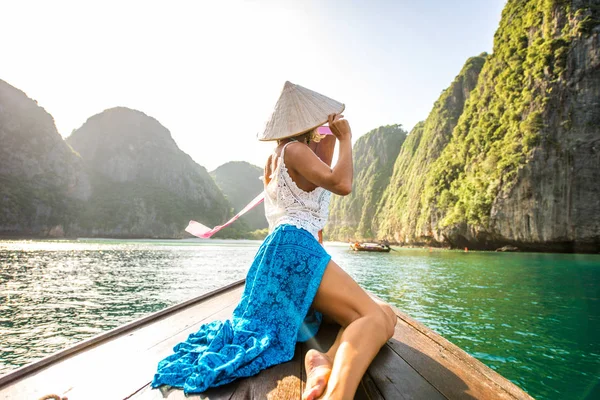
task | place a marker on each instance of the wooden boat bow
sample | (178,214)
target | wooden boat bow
(416,363)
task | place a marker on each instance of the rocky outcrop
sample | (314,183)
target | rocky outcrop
(554,203)
(41,177)
(510,155)
(143,185)
(523,164)
(374,154)
(240,183)
(399,216)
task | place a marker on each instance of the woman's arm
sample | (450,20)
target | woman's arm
(306,163)
(324,149)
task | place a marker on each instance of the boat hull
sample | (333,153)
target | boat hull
(416,363)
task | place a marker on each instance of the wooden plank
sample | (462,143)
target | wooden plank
(452,371)
(280,382)
(126,362)
(130,375)
(368,390)
(219,393)
(122,370)
(395,379)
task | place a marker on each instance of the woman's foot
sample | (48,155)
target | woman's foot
(318,368)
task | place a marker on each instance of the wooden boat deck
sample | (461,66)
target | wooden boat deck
(416,364)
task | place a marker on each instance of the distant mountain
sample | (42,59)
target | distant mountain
(240,183)
(374,154)
(120,175)
(41,178)
(143,185)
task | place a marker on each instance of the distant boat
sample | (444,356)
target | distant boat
(375,247)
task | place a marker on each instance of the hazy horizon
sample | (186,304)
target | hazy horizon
(210,71)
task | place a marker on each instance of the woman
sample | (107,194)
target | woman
(292,280)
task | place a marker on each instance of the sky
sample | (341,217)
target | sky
(211,71)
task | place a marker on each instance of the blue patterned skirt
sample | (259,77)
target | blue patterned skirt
(273,314)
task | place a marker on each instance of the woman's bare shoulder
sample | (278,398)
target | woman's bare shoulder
(297,151)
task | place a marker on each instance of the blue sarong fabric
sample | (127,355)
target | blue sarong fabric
(273,314)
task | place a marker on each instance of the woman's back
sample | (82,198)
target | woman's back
(287,203)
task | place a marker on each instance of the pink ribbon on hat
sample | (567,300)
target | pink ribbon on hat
(324,130)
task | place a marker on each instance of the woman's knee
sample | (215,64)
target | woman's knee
(390,319)
(390,314)
(380,324)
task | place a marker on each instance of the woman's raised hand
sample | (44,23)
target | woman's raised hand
(339,127)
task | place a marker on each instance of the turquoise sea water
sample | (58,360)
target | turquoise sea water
(534,318)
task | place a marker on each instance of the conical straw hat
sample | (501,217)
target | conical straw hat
(297,111)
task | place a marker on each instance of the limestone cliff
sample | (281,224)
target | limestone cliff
(374,155)
(523,164)
(399,209)
(510,154)
(554,201)
(41,177)
(143,185)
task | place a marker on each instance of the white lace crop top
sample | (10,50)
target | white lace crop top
(286,203)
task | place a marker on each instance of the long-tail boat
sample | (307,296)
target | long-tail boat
(416,363)
(375,247)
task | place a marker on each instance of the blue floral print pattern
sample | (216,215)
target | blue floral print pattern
(273,314)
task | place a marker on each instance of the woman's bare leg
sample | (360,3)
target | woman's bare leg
(368,325)
(318,365)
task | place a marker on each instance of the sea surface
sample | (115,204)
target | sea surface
(534,318)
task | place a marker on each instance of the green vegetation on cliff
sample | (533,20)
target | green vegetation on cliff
(374,155)
(509,151)
(508,155)
(401,202)
(507,115)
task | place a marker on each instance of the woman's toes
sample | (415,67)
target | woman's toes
(312,394)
